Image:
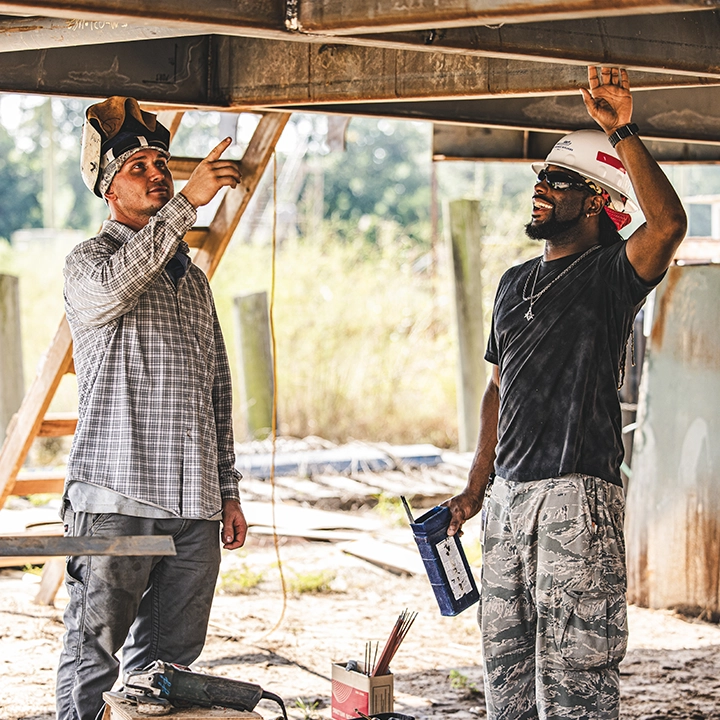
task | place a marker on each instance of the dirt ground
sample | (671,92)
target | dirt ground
(672,669)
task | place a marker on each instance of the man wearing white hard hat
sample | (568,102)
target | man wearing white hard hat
(153,451)
(546,472)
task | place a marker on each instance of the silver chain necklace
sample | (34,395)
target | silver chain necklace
(529,315)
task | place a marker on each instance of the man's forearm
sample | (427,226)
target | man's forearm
(652,247)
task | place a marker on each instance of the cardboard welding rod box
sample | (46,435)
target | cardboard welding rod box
(353,691)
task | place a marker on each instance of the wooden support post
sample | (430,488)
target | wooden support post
(463,229)
(252,332)
(12,384)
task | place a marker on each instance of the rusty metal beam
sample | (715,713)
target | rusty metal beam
(340,17)
(677,43)
(464,142)
(681,42)
(36,33)
(233,72)
(686,114)
(252,16)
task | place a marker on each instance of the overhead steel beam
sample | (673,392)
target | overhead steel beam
(253,16)
(366,16)
(463,142)
(226,72)
(170,71)
(679,43)
(691,115)
(36,33)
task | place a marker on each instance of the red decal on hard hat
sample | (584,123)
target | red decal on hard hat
(610,160)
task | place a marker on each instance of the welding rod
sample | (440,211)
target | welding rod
(407,509)
(397,635)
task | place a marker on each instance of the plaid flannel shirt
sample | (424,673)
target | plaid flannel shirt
(155,417)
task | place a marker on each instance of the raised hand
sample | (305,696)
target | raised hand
(210,175)
(608,101)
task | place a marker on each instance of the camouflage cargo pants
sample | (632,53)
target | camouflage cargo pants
(553,613)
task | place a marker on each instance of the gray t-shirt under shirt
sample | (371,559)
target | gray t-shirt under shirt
(559,407)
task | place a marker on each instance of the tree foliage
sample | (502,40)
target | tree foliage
(20,186)
(383,175)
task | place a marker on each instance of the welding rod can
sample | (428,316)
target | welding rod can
(445,562)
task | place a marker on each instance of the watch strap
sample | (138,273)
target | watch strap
(623,132)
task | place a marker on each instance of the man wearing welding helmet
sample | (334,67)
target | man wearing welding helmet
(153,450)
(553,608)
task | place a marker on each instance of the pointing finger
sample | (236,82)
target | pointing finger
(219,149)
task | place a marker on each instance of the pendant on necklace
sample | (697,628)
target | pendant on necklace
(529,315)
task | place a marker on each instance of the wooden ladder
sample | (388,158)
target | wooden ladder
(32,420)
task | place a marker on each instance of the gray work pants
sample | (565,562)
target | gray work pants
(553,613)
(155,608)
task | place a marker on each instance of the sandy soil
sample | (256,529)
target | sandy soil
(672,669)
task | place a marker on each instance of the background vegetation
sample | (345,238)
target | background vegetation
(363,313)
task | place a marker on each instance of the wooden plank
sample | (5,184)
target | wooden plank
(48,545)
(182,167)
(391,557)
(53,575)
(58,425)
(31,483)
(196,237)
(320,535)
(34,406)
(296,517)
(234,202)
(119,708)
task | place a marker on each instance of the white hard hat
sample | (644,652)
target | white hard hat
(590,154)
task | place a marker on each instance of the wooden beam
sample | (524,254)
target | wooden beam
(182,167)
(196,237)
(39,483)
(49,545)
(58,425)
(29,417)
(340,17)
(234,202)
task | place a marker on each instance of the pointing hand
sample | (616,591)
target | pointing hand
(210,175)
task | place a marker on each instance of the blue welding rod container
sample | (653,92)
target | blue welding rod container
(445,562)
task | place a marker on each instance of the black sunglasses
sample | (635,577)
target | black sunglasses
(559,180)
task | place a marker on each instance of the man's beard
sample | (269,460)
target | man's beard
(557,231)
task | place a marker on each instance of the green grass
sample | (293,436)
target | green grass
(461,683)
(238,580)
(307,708)
(311,582)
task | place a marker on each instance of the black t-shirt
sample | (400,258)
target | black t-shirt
(559,407)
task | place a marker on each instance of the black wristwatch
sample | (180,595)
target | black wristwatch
(623,132)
